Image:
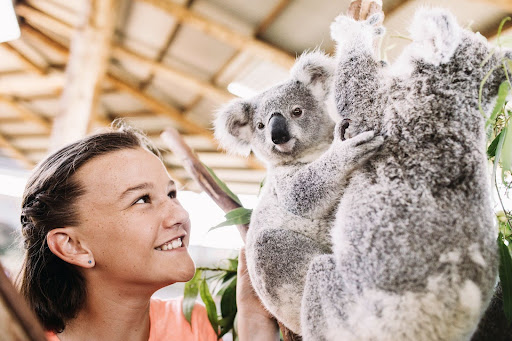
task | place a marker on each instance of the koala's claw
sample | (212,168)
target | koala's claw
(379,31)
(341,128)
(376,18)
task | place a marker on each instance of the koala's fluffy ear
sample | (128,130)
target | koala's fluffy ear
(315,70)
(233,126)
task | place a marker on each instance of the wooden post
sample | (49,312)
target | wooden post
(89,56)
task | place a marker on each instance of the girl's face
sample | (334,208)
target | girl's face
(132,222)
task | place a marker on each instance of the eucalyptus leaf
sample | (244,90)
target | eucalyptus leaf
(491,151)
(233,263)
(228,307)
(228,300)
(223,186)
(506,277)
(500,102)
(228,278)
(506,150)
(499,148)
(211,309)
(190,295)
(226,324)
(238,216)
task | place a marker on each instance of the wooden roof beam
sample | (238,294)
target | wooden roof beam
(153,104)
(159,107)
(87,65)
(271,17)
(206,88)
(29,31)
(25,113)
(27,62)
(15,152)
(44,20)
(228,36)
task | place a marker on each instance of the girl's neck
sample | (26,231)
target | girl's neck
(110,315)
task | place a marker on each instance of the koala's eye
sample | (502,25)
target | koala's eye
(297,112)
(260,126)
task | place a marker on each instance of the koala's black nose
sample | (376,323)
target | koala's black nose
(278,129)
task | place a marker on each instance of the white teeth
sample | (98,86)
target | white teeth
(173,244)
(176,243)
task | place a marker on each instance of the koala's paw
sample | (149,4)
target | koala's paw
(360,147)
(437,33)
(345,29)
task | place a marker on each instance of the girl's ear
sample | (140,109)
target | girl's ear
(233,127)
(316,71)
(65,244)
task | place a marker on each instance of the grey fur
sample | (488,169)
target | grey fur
(414,243)
(305,178)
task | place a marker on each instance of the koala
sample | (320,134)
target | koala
(414,243)
(289,127)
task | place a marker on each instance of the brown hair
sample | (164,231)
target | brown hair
(53,288)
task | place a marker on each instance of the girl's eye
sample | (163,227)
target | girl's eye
(142,200)
(172,194)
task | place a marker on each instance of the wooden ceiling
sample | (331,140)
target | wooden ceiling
(79,64)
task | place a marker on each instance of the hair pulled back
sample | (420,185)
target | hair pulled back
(55,289)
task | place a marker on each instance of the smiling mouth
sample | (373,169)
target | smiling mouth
(170,245)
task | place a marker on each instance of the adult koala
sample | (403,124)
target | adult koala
(288,127)
(414,247)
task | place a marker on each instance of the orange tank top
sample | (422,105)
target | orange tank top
(168,323)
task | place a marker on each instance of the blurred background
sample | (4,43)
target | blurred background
(79,64)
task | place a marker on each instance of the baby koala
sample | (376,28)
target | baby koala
(288,127)
(414,243)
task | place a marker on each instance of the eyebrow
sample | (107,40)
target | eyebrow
(141,186)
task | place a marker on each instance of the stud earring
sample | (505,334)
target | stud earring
(90,261)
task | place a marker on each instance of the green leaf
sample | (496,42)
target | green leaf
(226,324)
(223,186)
(233,263)
(506,277)
(228,278)
(499,148)
(238,216)
(228,300)
(500,102)
(228,307)
(491,151)
(211,309)
(190,295)
(506,151)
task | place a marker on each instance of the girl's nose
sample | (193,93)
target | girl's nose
(174,214)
